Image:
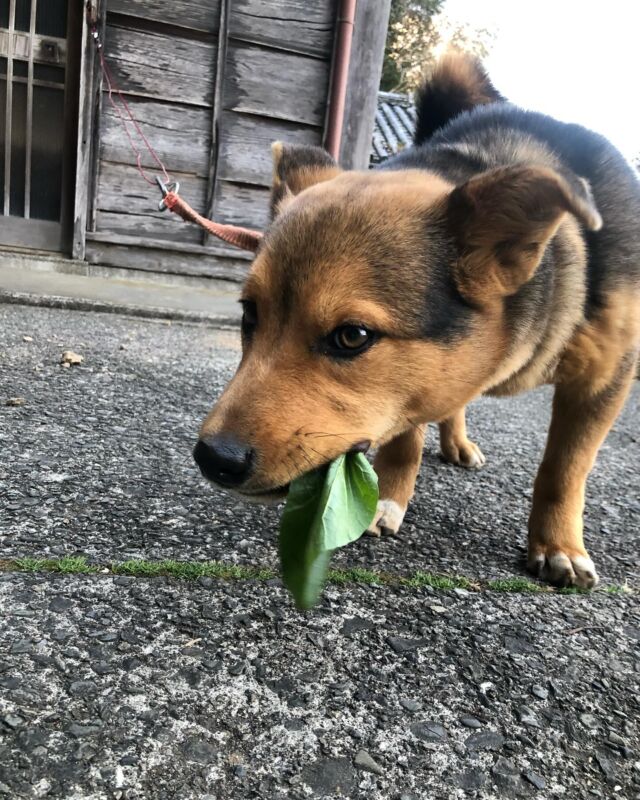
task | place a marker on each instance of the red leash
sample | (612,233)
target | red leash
(239,237)
(232,234)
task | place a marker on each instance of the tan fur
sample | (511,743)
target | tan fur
(319,268)
(422,380)
(503,220)
(418,382)
(540,349)
(579,424)
(397,463)
(592,358)
(288,182)
(455,446)
(456,71)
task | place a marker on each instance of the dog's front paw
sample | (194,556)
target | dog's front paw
(464,453)
(563,568)
(388,518)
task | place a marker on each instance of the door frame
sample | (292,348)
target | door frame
(37,234)
(89,99)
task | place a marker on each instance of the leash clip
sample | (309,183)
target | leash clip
(165,188)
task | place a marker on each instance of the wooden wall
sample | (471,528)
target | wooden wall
(273,84)
(212,84)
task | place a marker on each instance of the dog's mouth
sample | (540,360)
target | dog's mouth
(275,495)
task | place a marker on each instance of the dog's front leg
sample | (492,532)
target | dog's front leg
(455,447)
(397,464)
(579,424)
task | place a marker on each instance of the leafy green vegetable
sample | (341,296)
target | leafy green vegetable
(325,509)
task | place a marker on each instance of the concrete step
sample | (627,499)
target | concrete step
(216,303)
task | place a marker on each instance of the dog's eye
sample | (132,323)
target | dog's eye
(249,317)
(350,340)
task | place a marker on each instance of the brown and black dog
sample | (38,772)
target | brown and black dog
(499,253)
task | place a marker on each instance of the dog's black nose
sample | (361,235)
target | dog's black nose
(223,459)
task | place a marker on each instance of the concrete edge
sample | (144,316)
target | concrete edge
(146,312)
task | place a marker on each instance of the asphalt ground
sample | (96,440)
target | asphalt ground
(135,687)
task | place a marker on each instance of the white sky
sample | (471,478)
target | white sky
(577,61)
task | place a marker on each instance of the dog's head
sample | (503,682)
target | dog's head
(374,303)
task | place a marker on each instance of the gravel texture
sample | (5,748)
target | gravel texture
(122,687)
(133,688)
(97,460)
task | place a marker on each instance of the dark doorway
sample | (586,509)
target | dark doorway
(38,107)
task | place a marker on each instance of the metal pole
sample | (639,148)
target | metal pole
(344,35)
(29,130)
(9,109)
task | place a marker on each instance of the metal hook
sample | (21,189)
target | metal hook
(165,188)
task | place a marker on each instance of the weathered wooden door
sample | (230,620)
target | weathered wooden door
(38,94)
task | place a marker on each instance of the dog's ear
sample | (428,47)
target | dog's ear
(295,168)
(502,221)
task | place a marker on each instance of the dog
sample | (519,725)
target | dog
(499,253)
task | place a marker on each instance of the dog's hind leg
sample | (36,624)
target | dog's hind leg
(397,464)
(455,447)
(580,422)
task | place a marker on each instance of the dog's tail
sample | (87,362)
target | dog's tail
(458,83)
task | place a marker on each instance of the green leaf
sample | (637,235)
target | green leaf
(325,509)
(351,502)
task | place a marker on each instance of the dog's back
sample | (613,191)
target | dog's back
(465,127)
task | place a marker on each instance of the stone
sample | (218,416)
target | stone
(471,779)
(605,763)
(328,776)
(518,646)
(528,717)
(240,771)
(539,691)
(485,740)
(85,752)
(470,722)
(534,779)
(22,646)
(80,731)
(505,774)
(366,763)
(352,625)
(410,705)
(199,750)
(83,688)
(12,720)
(400,645)
(428,731)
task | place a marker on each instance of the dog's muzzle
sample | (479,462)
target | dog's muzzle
(224,460)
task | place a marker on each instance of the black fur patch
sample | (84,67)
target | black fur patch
(446,314)
(458,84)
(484,138)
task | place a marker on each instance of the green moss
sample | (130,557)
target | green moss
(69,565)
(191,571)
(573,590)
(355,575)
(616,588)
